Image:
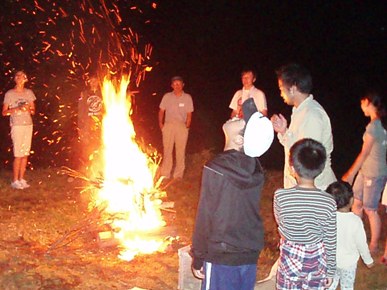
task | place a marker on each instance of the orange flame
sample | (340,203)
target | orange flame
(128,191)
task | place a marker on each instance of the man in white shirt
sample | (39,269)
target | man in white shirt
(248,91)
(308,120)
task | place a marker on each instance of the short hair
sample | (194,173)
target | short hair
(247,70)
(307,156)
(342,193)
(296,75)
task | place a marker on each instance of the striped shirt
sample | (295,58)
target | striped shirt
(307,216)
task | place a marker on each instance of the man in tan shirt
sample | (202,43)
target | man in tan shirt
(175,117)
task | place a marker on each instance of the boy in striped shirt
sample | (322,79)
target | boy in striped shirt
(306,218)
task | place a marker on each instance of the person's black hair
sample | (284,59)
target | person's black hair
(307,156)
(296,75)
(249,69)
(341,192)
(377,101)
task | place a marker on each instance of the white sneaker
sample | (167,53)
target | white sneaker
(24,183)
(16,185)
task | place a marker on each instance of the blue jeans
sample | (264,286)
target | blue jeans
(369,190)
(223,277)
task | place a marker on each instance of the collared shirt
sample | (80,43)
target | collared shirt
(309,120)
(242,95)
(176,107)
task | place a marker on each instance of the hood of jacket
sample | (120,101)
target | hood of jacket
(241,170)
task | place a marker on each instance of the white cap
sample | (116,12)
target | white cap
(259,135)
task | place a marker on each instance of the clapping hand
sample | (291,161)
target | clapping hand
(279,123)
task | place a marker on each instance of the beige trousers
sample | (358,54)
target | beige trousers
(174,135)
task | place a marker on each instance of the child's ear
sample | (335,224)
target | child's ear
(351,201)
(238,140)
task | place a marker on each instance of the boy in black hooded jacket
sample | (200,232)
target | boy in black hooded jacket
(228,234)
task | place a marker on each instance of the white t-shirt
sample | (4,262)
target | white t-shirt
(242,95)
(16,99)
(351,241)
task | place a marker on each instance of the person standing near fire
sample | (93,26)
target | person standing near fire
(19,104)
(175,116)
(368,173)
(308,120)
(229,234)
(248,77)
(90,110)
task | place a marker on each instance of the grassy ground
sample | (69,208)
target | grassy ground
(36,253)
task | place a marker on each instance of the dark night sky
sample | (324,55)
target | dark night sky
(343,43)
(209,42)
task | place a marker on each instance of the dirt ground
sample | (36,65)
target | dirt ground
(48,238)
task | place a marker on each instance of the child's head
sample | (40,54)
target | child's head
(342,193)
(307,157)
(233,131)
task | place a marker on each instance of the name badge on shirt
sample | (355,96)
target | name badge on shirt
(181,105)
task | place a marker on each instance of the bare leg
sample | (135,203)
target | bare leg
(375,226)
(357,207)
(23,167)
(385,252)
(16,167)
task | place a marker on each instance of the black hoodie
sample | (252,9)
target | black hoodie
(228,227)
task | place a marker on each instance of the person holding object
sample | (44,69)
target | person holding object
(228,234)
(248,90)
(175,116)
(370,167)
(19,104)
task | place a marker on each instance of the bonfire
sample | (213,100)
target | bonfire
(126,195)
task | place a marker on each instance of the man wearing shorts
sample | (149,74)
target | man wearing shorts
(19,105)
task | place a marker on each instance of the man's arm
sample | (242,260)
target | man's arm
(188,121)
(161,118)
(234,104)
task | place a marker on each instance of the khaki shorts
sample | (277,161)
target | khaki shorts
(21,139)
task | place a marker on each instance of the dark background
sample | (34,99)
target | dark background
(208,43)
